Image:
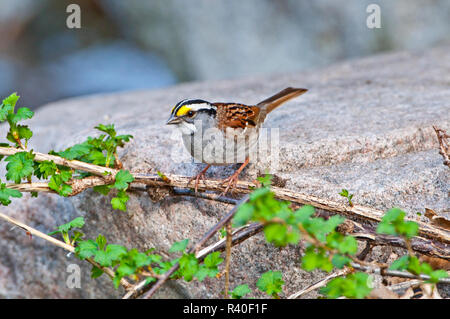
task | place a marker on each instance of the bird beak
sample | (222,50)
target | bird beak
(173,120)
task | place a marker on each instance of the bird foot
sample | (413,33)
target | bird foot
(232,181)
(198,177)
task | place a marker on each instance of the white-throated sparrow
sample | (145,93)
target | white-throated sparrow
(224,133)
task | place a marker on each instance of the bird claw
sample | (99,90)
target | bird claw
(198,177)
(232,182)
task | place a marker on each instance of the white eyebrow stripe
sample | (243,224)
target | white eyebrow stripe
(199,106)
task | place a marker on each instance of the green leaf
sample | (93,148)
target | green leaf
(123,138)
(57,184)
(400,264)
(141,260)
(271,283)
(312,260)
(6,193)
(11,100)
(66,174)
(102,189)
(348,245)
(75,223)
(46,169)
(243,215)
(5,110)
(203,272)
(339,261)
(393,223)
(86,249)
(414,265)
(213,260)
(101,242)
(76,152)
(20,166)
(240,291)
(280,235)
(356,285)
(149,280)
(409,229)
(115,251)
(265,180)
(319,228)
(123,178)
(188,266)
(303,214)
(7,106)
(437,274)
(22,113)
(344,193)
(385,228)
(179,246)
(102,258)
(125,270)
(24,132)
(97,157)
(96,272)
(77,235)
(120,201)
(109,129)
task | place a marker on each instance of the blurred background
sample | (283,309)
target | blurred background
(136,44)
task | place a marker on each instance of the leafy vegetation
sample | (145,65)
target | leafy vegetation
(346,194)
(101,150)
(326,249)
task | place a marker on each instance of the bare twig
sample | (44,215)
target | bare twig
(229,239)
(37,233)
(239,235)
(357,212)
(394,273)
(196,247)
(76,165)
(320,283)
(444,147)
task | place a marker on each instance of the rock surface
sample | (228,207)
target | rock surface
(364,125)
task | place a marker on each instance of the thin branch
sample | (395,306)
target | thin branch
(106,175)
(357,212)
(321,283)
(63,245)
(196,247)
(154,180)
(76,165)
(78,185)
(394,273)
(37,233)
(444,147)
(229,239)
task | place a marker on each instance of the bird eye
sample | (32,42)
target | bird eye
(190,113)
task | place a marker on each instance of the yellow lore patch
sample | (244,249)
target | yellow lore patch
(183,110)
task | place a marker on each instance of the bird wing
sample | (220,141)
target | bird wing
(236,115)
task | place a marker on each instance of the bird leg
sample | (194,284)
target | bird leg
(198,177)
(233,179)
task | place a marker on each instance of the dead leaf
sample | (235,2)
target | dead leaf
(436,263)
(424,291)
(383,293)
(436,220)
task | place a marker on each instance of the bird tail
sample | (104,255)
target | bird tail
(271,103)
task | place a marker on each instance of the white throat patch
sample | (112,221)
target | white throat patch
(186,128)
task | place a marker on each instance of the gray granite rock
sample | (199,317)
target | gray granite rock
(364,125)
